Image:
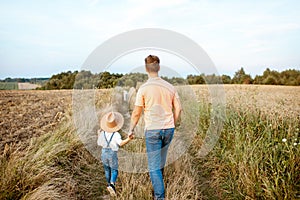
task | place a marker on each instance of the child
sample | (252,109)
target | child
(111,140)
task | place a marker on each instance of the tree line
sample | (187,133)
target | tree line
(269,77)
(25,80)
(88,80)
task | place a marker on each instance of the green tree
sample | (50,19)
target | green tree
(195,79)
(134,79)
(226,79)
(213,79)
(129,83)
(272,77)
(240,77)
(270,80)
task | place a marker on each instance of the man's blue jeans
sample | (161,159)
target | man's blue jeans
(157,143)
(110,163)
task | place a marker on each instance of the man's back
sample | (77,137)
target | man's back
(157,97)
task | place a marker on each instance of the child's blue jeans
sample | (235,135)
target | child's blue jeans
(157,143)
(110,163)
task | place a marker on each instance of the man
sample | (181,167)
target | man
(162,108)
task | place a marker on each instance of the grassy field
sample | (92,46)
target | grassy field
(17,86)
(8,85)
(256,156)
(28,86)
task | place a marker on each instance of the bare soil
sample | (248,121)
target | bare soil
(27,114)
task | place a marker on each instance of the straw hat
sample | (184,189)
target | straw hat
(112,122)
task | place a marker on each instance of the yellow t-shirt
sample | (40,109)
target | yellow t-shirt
(158,97)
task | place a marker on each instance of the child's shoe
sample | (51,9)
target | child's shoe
(112,190)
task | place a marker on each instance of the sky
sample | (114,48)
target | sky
(39,38)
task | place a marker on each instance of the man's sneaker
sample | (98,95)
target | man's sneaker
(112,190)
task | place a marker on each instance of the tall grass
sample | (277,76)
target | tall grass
(53,166)
(249,161)
(180,181)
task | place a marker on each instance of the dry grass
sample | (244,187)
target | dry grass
(44,159)
(53,166)
(279,101)
(27,86)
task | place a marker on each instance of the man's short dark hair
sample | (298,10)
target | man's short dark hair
(152,63)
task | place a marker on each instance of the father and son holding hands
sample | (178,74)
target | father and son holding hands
(160,103)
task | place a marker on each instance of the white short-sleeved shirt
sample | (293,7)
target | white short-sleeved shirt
(115,142)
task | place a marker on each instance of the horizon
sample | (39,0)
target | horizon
(39,40)
(161,75)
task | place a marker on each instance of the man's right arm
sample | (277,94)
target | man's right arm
(135,116)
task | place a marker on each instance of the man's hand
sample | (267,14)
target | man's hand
(131,137)
(135,116)
(131,134)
